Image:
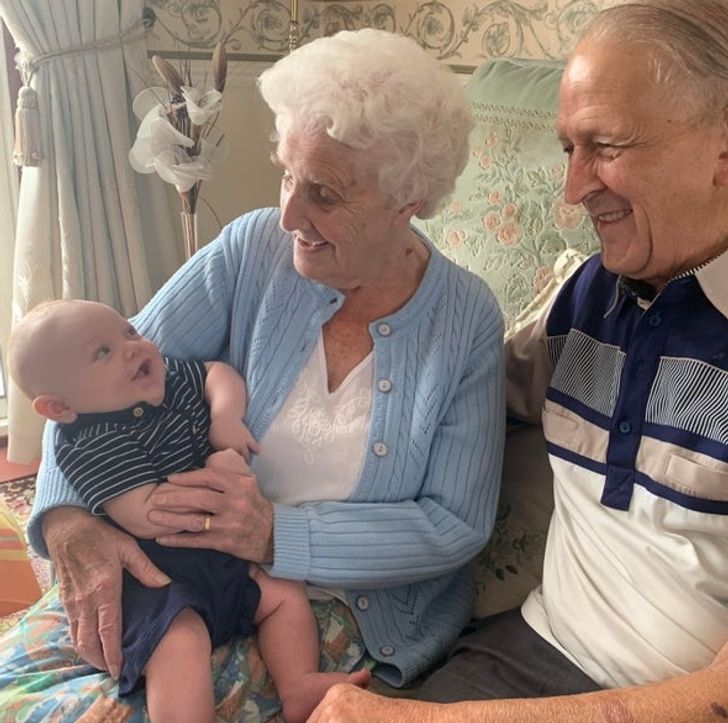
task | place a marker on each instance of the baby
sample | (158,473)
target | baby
(128,417)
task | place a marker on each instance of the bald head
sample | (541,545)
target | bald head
(82,357)
(685,46)
(41,342)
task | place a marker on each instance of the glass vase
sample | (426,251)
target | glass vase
(189,233)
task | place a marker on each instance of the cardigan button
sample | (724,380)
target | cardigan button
(384,329)
(384,385)
(387,651)
(380,449)
(362,602)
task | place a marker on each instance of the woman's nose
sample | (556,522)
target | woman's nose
(293,210)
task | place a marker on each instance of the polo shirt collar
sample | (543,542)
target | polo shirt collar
(713,280)
(131,415)
(711,275)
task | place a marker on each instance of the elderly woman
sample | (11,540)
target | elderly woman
(374,369)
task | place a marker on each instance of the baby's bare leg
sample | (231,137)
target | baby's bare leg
(289,644)
(179,680)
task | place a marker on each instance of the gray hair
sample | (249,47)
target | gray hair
(686,42)
(380,92)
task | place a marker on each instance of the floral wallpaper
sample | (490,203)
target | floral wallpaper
(459,32)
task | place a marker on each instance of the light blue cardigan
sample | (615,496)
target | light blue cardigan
(426,497)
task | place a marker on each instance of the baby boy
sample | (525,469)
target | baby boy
(128,417)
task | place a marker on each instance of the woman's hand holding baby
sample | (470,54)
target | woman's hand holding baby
(240,518)
(89,556)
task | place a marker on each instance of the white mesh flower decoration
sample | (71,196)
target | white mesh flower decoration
(176,123)
(202,103)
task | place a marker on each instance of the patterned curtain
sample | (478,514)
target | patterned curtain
(88,226)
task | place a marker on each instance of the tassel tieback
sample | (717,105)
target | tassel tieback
(27,151)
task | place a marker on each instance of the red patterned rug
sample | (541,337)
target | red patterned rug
(18,497)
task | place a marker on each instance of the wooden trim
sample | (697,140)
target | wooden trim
(257,58)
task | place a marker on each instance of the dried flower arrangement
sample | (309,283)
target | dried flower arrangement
(173,138)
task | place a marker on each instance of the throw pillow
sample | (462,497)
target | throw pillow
(510,565)
(507,220)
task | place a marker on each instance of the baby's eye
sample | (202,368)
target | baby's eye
(131,332)
(101,352)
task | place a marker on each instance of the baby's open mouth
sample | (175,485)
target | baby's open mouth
(143,370)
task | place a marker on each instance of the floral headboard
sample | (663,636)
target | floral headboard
(507,220)
(508,223)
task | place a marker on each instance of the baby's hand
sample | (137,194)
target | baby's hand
(231,433)
(228,459)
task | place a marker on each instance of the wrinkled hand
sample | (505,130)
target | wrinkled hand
(89,556)
(231,433)
(344,703)
(241,519)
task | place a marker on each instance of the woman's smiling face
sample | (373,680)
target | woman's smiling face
(342,224)
(646,170)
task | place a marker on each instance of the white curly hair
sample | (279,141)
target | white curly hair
(380,92)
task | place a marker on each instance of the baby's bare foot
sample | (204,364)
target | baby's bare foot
(299,702)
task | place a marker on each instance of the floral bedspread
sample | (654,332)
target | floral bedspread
(43,680)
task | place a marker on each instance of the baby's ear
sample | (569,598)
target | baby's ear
(54,408)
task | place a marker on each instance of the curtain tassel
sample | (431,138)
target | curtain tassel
(27,151)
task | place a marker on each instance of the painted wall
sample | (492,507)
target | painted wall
(460,33)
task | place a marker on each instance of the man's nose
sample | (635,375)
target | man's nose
(581,178)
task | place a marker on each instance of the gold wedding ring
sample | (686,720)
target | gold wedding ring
(206,523)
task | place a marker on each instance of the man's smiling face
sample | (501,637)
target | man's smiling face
(648,171)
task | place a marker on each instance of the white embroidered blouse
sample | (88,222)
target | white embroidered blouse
(314,448)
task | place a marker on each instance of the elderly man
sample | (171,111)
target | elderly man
(630,367)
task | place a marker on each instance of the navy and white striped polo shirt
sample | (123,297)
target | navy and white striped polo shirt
(104,455)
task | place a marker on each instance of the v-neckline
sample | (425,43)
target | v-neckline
(347,380)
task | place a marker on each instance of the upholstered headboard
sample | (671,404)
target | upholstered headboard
(507,220)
